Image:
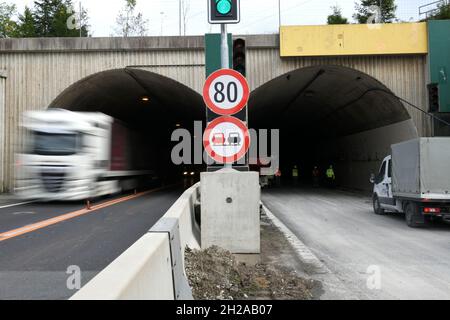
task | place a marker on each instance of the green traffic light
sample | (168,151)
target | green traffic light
(223,6)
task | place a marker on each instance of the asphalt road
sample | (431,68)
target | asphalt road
(34,265)
(374,257)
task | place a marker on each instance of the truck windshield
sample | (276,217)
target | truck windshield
(55,144)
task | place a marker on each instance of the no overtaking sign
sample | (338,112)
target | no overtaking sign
(226,139)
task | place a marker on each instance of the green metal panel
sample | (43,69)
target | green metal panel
(212,52)
(439,59)
(213,61)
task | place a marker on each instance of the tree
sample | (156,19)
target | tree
(8,27)
(66,22)
(442,13)
(130,23)
(336,17)
(53,19)
(375,11)
(185,7)
(26,25)
(48,18)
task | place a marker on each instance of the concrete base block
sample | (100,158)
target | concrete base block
(230,211)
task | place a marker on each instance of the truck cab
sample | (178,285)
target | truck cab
(64,154)
(383,198)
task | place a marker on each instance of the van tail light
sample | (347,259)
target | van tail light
(432,210)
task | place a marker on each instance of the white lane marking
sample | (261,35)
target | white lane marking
(16,204)
(24,213)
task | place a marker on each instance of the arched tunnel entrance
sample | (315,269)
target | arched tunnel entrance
(331,115)
(327,115)
(150,104)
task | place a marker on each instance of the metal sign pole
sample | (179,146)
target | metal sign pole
(224,47)
(225,61)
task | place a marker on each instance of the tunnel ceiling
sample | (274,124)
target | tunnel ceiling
(320,101)
(119,94)
(325,101)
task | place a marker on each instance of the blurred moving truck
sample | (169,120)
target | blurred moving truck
(415,180)
(78,155)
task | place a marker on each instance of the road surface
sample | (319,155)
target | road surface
(34,265)
(361,248)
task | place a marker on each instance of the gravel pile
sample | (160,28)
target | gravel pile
(214,274)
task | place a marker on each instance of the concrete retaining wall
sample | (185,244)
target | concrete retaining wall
(144,271)
(356,156)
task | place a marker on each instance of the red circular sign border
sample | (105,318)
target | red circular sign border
(226,72)
(240,154)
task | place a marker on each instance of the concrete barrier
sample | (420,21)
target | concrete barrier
(149,269)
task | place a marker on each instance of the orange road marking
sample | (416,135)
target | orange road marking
(45,223)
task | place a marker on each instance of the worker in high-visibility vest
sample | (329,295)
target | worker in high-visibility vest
(331,177)
(295,175)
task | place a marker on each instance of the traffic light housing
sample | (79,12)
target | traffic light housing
(433,97)
(239,56)
(224,11)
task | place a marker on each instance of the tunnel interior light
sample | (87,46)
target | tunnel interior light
(145,99)
(309,94)
(178,125)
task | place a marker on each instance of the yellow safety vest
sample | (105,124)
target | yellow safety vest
(330,174)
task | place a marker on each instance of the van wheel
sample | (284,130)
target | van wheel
(413,218)
(377,206)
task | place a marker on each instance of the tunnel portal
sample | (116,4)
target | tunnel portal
(331,115)
(327,115)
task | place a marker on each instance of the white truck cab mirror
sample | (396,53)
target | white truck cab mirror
(372,178)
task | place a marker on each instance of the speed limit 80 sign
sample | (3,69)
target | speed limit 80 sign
(226,92)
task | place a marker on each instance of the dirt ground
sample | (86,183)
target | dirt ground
(216,274)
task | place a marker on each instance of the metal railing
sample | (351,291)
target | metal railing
(433,8)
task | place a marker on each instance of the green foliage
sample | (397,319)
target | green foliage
(442,14)
(57,18)
(26,25)
(370,11)
(129,23)
(8,27)
(47,18)
(336,17)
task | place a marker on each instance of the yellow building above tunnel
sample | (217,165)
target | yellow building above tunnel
(354,39)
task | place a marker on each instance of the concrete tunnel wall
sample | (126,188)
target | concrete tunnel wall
(120,92)
(35,71)
(347,118)
(332,115)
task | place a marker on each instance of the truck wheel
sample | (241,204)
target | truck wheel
(413,218)
(377,206)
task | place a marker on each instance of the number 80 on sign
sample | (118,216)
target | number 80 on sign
(226,92)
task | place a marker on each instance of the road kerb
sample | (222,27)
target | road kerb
(334,288)
(303,252)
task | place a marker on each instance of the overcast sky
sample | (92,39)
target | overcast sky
(258,16)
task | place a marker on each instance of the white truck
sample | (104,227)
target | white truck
(415,180)
(76,156)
